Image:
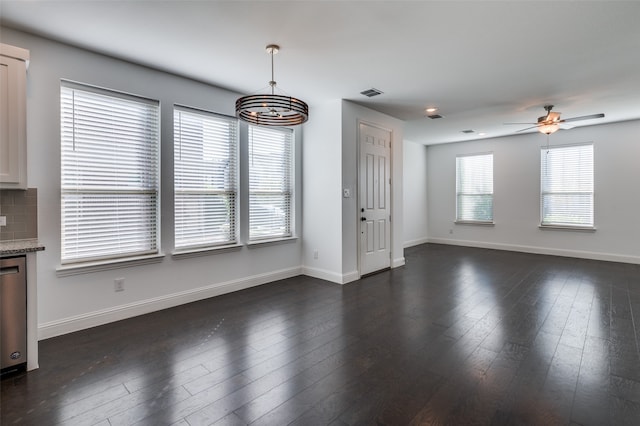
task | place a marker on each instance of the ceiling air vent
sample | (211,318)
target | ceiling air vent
(467,131)
(370,93)
(434,116)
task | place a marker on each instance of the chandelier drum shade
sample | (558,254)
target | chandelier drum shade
(272,109)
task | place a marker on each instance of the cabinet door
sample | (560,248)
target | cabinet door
(13,143)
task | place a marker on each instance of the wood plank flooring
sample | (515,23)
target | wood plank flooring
(458,336)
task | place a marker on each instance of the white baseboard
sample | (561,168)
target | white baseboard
(105,316)
(350,277)
(334,277)
(397,262)
(609,257)
(417,242)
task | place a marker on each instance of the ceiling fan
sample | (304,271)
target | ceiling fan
(550,122)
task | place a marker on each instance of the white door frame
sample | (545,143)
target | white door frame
(358,189)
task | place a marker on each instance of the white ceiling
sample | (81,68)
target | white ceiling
(482,63)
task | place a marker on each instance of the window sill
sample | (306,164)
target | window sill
(568,228)
(106,265)
(474,222)
(204,251)
(273,241)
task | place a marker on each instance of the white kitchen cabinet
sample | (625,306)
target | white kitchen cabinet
(13,117)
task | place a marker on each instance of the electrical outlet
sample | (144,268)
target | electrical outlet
(315,254)
(346,193)
(118,284)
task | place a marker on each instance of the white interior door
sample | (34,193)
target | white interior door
(374,194)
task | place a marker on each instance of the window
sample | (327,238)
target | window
(270,183)
(474,188)
(205,146)
(567,186)
(109,174)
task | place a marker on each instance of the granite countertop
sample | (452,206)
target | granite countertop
(19,247)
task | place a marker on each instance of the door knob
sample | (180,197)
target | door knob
(362,219)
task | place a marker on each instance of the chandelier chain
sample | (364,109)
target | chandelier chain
(272,83)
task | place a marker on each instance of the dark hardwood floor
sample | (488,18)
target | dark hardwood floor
(458,336)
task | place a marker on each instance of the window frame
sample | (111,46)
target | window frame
(234,190)
(472,221)
(566,225)
(70,134)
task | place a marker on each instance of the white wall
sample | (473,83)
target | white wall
(322,206)
(67,303)
(414,187)
(517,195)
(352,115)
(331,221)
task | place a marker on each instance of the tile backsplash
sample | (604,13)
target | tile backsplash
(21,211)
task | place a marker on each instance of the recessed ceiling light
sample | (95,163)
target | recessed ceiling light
(431,109)
(482,134)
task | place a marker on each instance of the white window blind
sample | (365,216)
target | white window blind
(205,158)
(474,188)
(109,174)
(567,185)
(270,182)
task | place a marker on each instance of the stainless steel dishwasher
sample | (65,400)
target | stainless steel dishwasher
(13,313)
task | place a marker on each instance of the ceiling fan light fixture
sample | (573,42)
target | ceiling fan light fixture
(549,128)
(271,109)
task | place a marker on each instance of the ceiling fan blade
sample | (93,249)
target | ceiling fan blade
(584,117)
(528,128)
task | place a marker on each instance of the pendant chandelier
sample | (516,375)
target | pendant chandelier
(272,109)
